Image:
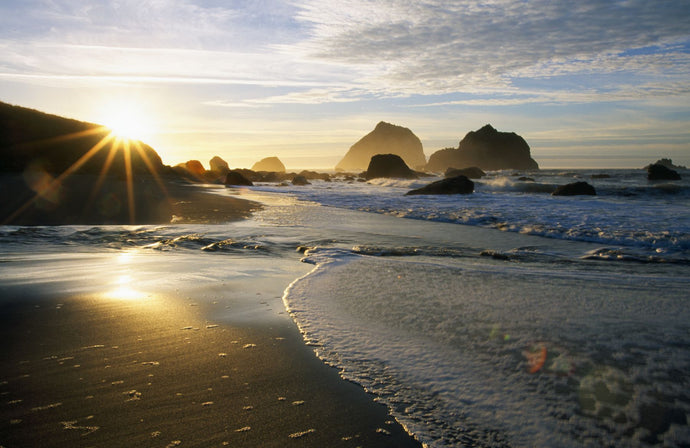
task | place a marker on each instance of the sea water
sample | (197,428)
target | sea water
(508,317)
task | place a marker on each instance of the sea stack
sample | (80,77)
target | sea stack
(659,171)
(219,165)
(272,164)
(386,138)
(487,149)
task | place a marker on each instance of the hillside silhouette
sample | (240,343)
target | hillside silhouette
(30,139)
(55,170)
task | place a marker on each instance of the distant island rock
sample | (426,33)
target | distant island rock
(272,164)
(575,189)
(668,163)
(386,138)
(487,149)
(658,171)
(452,185)
(389,165)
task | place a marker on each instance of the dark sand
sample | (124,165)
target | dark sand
(97,370)
(92,371)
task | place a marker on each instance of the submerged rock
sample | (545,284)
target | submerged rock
(471,172)
(453,185)
(389,165)
(487,149)
(386,138)
(235,177)
(269,164)
(658,171)
(311,175)
(574,189)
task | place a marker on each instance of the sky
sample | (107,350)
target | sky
(587,83)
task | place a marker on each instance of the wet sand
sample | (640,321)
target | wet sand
(95,370)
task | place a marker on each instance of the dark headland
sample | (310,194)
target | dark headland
(55,170)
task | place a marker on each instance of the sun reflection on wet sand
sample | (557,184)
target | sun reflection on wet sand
(123,281)
(124,290)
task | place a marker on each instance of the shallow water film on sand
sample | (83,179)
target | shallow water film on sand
(506,318)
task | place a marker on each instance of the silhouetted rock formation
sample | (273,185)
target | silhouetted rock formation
(389,165)
(452,185)
(269,164)
(195,167)
(668,163)
(219,165)
(300,180)
(386,138)
(235,177)
(658,171)
(471,172)
(574,189)
(487,149)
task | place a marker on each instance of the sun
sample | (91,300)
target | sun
(128,120)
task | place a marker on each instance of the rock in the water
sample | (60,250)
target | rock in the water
(574,189)
(658,171)
(668,163)
(389,165)
(311,175)
(386,138)
(471,172)
(487,149)
(235,177)
(219,165)
(269,164)
(300,180)
(452,185)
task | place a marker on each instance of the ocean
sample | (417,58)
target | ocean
(508,317)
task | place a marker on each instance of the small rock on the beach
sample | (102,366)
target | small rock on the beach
(297,435)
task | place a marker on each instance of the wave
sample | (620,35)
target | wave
(608,187)
(506,184)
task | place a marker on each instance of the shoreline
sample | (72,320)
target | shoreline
(169,367)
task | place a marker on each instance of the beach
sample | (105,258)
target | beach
(348,314)
(115,345)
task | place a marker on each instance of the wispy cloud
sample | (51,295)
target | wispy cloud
(433,47)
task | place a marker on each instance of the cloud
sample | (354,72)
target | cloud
(495,52)
(436,47)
